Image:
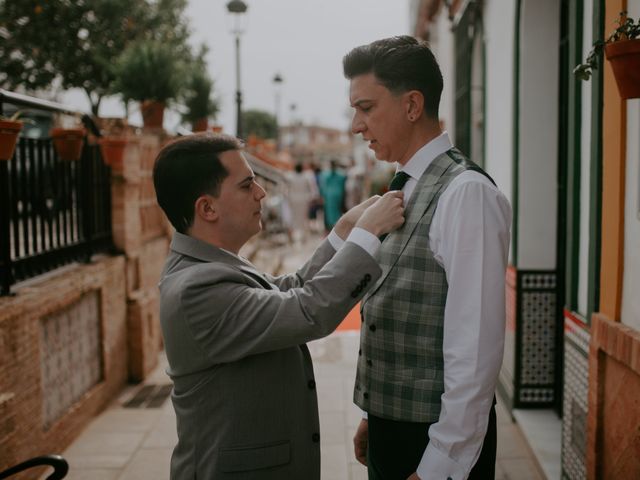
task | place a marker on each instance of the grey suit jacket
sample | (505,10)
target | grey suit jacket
(244,390)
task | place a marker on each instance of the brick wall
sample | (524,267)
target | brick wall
(143,273)
(23,432)
(613,422)
(140,231)
(51,383)
(136,216)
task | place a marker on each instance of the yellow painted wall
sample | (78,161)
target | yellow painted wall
(613,181)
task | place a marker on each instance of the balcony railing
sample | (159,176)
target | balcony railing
(52,212)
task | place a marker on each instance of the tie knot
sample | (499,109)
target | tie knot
(398,180)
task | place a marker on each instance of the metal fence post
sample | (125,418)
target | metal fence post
(85,188)
(5,240)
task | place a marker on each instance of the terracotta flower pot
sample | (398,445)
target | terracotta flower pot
(152,113)
(112,150)
(9,131)
(68,142)
(625,62)
(200,125)
(216,128)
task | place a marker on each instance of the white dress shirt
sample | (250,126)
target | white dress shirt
(469,237)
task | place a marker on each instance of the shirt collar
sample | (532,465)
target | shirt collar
(192,247)
(417,164)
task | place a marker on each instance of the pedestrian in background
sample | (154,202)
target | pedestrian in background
(332,190)
(301,192)
(354,186)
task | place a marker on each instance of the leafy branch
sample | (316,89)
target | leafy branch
(627,29)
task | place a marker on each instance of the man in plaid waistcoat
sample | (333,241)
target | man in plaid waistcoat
(433,324)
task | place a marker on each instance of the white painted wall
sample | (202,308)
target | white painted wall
(499,32)
(499,18)
(537,182)
(631,277)
(443,48)
(585,166)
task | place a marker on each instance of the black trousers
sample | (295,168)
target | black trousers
(396,448)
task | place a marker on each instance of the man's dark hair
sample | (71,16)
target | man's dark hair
(187,168)
(400,64)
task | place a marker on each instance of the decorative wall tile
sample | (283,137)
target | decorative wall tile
(536,350)
(70,355)
(538,338)
(576,387)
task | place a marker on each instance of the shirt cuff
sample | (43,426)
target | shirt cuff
(361,237)
(365,239)
(435,464)
(335,240)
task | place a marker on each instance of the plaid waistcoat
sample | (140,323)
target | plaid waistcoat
(400,372)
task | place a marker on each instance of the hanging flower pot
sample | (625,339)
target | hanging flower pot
(200,125)
(624,56)
(68,142)
(622,49)
(152,113)
(112,150)
(9,131)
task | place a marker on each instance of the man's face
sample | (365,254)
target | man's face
(381,118)
(238,205)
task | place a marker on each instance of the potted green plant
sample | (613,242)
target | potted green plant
(149,72)
(622,49)
(9,130)
(198,100)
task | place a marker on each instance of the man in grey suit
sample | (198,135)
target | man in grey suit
(244,389)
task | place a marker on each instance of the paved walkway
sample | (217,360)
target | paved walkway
(126,443)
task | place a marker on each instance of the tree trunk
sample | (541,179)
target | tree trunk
(95,104)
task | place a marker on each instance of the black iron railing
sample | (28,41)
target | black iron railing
(59,464)
(52,212)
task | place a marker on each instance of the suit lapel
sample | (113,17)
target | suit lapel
(257,276)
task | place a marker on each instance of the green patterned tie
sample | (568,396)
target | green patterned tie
(397,182)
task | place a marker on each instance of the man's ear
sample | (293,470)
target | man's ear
(414,105)
(206,208)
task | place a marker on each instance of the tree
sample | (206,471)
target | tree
(259,123)
(77,41)
(166,22)
(148,70)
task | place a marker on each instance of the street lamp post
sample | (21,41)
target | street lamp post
(293,129)
(277,82)
(237,8)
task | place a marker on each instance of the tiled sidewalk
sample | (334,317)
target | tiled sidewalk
(136,443)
